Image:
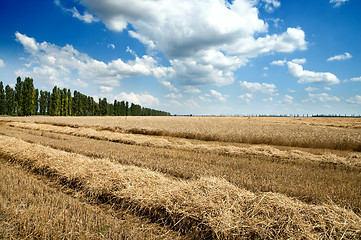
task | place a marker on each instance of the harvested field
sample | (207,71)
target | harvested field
(182,186)
(326,133)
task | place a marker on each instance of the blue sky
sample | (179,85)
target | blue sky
(191,57)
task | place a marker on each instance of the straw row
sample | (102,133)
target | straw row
(186,144)
(207,207)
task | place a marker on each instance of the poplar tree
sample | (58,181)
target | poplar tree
(69,108)
(28,93)
(10,100)
(55,102)
(36,102)
(19,96)
(2,99)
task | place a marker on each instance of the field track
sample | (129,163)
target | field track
(184,187)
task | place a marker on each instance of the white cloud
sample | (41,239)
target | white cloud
(169,85)
(299,60)
(263,88)
(278,62)
(287,100)
(191,89)
(311,89)
(86,17)
(328,89)
(321,97)
(205,41)
(174,96)
(337,3)
(275,21)
(356,79)
(211,68)
(105,90)
(246,97)
(269,99)
(355,100)
(79,83)
(291,90)
(2,63)
(270,5)
(305,76)
(30,45)
(55,63)
(141,99)
(213,96)
(344,56)
(149,43)
(110,45)
(47,74)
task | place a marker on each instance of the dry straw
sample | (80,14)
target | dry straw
(206,207)
(186,144)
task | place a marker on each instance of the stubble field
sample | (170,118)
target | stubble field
(180,177)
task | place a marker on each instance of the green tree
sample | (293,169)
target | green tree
(28,93)
(10,100)
(69,108)
(42,103)
(36,102)
(103,106)
(19,96)
(2,99)
(48,103)
(55,102)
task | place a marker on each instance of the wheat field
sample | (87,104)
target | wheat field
(180,178)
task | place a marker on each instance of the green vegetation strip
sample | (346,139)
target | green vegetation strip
(210,207)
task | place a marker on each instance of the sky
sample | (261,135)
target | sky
(205,57)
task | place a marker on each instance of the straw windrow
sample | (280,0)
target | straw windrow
(210,207)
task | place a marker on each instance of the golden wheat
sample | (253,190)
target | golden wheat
(209,206)
(30,209)
(185,144)
(311,181)
(330,133)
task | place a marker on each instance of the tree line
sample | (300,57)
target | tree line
(25,100)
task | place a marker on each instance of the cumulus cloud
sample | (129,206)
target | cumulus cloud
(269,99)
(173,95)
(105,90)
(344,56)
(305,76)
(205,41)
(263,88)
(337,3)
(321,97)
(55,63)
(246,97)
(191,89)
(146,100)
(79,83)
(270,5)
(30,44)
(110,45)
(311,89)
(278,62)
(213,96)
(86,17)
(287,100)
(169,85)
(354,100)
(2,63)
(356,79)
(299,61)
(211,68)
